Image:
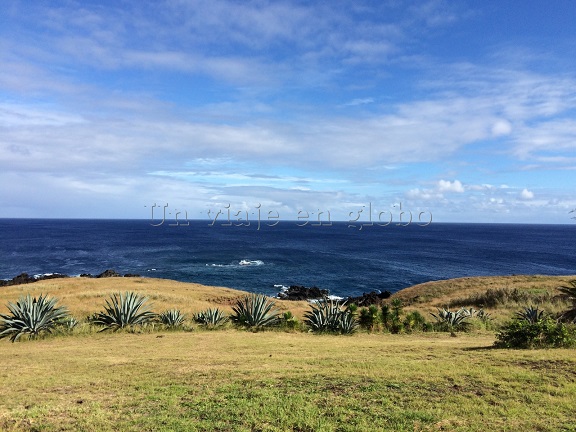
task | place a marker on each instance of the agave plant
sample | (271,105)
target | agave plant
(328,316)
(172,318)
(570,294)
(451,320)
(348,323)
(31,316)
(254,311)
(69,323)
(531,314)
(484,316)
(123,310)
(211,317)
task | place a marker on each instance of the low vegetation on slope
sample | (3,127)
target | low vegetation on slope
(156,378)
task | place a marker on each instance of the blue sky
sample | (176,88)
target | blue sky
(463,109)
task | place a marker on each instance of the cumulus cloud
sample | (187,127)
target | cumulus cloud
(526,194)
(448,186)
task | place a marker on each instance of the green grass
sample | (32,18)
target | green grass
(273,381)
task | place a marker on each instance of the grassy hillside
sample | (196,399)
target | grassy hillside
(500,295)
(234,380)
(84,296)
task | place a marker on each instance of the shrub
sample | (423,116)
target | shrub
(211,318)
(414,321)
(386,316)
(545,333)
(396,308)
(368,317)
(289,321)
(254,311)
(172,318)
(352,308)
(329,316)
(31,316)
(124,310)
(391,316)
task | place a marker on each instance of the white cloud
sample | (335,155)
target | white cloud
(501,128)
(526,194)
(448,186)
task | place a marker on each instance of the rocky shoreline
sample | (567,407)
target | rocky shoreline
(293,293)
(25,278)
(299,292)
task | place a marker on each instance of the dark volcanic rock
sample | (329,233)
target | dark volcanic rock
(298,292)
(24,278)
(131,275)
(370,298)
(86,275)
(109,273)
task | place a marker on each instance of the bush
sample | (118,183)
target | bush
(391,316)
(368,317)
(288,320)
(31,316)
(386,316)
(124,310)
(255,312)
(414,321)
(545,333)
(329,316)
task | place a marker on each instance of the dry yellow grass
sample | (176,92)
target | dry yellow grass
(437,294)
(84,296)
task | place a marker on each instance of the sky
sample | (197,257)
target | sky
(456,111)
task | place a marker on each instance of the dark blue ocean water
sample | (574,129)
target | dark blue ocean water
(347,261)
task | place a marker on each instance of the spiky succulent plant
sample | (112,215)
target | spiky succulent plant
(569,293)
(31,316)
(531,314)
(124,310)
(254,311)
(172,318)
(211,317)
(451,320)
(329,316)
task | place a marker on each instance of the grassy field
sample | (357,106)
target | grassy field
(233,380)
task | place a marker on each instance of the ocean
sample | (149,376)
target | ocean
(343,259)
